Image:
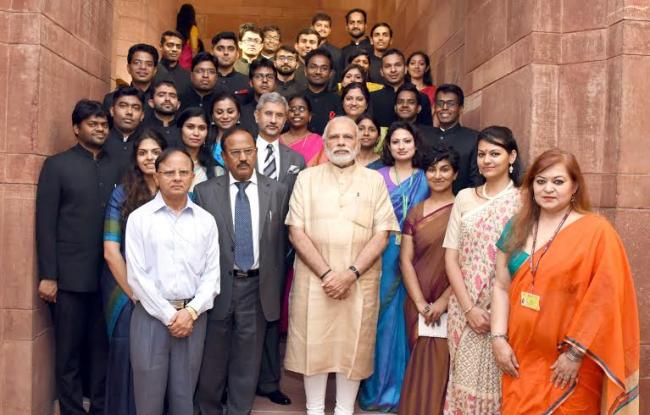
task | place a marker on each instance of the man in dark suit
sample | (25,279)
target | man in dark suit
(278,162)
(73,189)
(249,209)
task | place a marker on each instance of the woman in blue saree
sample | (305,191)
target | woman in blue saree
(137,188)
(407,186)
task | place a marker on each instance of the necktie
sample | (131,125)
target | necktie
(270,169)
(243,229)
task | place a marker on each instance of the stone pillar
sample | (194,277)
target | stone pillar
(565,73)
(52,53)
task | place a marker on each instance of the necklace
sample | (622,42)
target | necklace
(535,266)
(485,195)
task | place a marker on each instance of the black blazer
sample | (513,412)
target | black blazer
(214,196)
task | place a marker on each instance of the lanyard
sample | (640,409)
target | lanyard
(405,197)
(533,266)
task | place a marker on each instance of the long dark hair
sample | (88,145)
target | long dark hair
(185,19)
(503,137)
(205,157)
(426,78)
(213,128)
(135,186)
(387,157)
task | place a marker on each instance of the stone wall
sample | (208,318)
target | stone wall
(51,54)
(565,73)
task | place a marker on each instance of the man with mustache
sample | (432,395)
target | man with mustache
(407,108)
(127,111)
(225,49)
(249,209)
(263,76)
(355,24)
(381,37)
(171,44)
(339,219)
(204,83)
(278,162)
(165,103)
(141,65)
(290,81)
(325,103)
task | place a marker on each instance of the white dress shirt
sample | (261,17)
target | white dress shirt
(261,154)
(172,257)
(253,199)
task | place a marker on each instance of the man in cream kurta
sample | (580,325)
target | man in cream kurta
(339,219)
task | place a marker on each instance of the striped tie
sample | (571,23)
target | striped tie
(270,169)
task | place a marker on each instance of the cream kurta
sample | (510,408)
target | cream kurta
(339,210)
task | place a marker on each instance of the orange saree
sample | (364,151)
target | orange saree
(587,300)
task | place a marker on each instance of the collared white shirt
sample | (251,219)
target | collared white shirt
(172,257)
(252,192)
(261,154)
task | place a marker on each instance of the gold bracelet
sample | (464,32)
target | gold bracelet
(192,312)
(468,309)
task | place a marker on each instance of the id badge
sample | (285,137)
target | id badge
(530,300)
(398,239)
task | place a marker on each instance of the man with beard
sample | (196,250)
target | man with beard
(141,65)
(165,104)
(322,24)
(289,82)
(393,70)
(246,206)
(250,45)
(225,48)
(204,83)
(171,44)
(73,189)
(127,112)
(278,162)
(407,108)
(271,38)
(340,216)
(381,37)
(355,23)
(262,80)
(448,107)
(325,104)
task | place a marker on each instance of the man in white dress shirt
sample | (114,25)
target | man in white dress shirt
(172,258)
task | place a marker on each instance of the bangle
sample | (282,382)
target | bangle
(192,312)
(468,309)
(498,336)
(573,355)
(325,273)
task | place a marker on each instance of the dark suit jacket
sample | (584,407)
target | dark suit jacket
(214,196)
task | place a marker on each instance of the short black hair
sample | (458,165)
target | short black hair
(287,48)
(393,51)
(204,57)
(385,155)
(170,33)
(168,152)
(308,31)
(319,52)
(451,89)
(318,17)
(249,27)
(408,87)
(438,152)
(164,81)
(142,47)
(356,10)
(86,108)
(382,24)
(128,91)
(303,97)
(271,28)
(225,35)
(358,52)
(261,63)
(230,132)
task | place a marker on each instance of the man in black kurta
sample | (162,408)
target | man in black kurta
(324,103)
(127,112)
(73,189)
(165,104)
(171,44)
(355,23)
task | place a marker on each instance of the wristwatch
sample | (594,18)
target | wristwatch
(355,270)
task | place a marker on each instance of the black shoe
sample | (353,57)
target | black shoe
(277,397)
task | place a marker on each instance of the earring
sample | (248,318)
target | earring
(511,169)
(573,198)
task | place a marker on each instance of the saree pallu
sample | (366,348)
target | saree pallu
(381,391)
(117,313)
(425,380)
(474,385)
(588,301)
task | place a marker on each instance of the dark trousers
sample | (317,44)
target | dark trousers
(79,330)
(271,368)
(233,349)
(119,376)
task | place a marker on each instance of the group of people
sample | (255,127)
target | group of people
(218,203)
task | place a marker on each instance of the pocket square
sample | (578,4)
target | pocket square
(293,169)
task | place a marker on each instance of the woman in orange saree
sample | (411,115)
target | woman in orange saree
(565,328)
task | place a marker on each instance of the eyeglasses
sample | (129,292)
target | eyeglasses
(246,151)
(450,104)
(171,174)
(286,58)
(301,108)
(204,71)
(264,76)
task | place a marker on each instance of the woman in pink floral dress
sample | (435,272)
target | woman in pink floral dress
(477,219)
